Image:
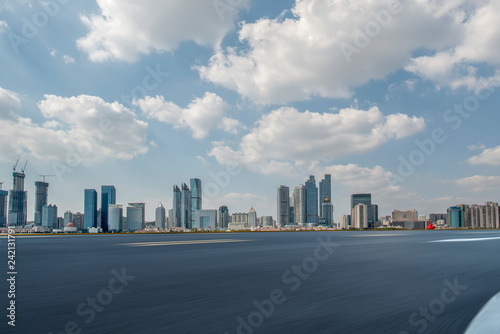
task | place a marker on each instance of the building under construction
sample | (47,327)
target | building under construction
(18,199)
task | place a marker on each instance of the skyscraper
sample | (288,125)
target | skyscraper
(311,201)
(136,215)
(18,201)
(160,216)
(252,218)
(108,196)
(327,209)
(359,216)
(186,207)
(223,220)
(90,209)
(455,217)
(196,195)
(177,207)
(299,204)
(3,207)
(366,199)
(49,216)
(283,197)
(41,196)
(115,218)
(325,187)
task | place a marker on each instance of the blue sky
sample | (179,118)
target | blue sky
(276,90)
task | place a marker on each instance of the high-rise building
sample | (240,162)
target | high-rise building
(325,187)
(68,218)
(365,199)
(170,219)
(186,207)
(312,202)
(359,216)
(240,218)
(252,218)
(90,209)
(223,221)
(177,207)
(115,218)
(78,221)
(345,222)
(267,221)
(49,216)
(160,216)
(283,197)
(196,195)
(205,219)
(60,223)
(41,197)
(18,201)
(492,215)
(327,209)
(3,207)
(136,216)
(455,217)
(299,204)
(108,196)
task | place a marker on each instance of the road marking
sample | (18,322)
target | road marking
(487,320)
(182,242)
(465,240)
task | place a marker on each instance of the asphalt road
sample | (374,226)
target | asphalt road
(349,282)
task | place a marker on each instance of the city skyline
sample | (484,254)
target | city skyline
(166,108)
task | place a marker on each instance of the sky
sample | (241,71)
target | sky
(395,98)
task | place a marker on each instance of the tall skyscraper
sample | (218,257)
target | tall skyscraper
(90,209)
(186,207)
(365,199)
(49,216)
(160,216)
(177,207)
(3,207)
(18,201)
(108,196)
(283,197)
(359,216)
(325,187)
(78,220)
(223,220)
(196,195)
(312,201)
(136,215)
(115,218)
(252,218)
(455,217)
(299,204)
(41,197)
(327,209)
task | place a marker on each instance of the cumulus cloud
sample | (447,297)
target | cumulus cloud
(319,51)
(458,65)
(10,104)
(478,183)
(3,26)
(126,28)
(490,156)
(201,115)
(287,140)
(82,127)
(359,179)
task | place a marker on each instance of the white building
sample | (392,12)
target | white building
(115,218)
(252,218)
(160,217)
(299,204)
(359,216)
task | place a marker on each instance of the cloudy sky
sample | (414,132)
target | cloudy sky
(395,98)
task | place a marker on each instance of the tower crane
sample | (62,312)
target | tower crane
(22,170)
(15,166)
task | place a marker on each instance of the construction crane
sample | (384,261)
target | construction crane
(15,166)
(45,175)
(22,170)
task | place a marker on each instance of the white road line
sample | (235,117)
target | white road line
(465,240)
(487,320)
(182,242)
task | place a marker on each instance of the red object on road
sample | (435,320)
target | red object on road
(430,227)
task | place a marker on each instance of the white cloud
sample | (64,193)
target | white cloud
(478,183)
(126,28)
(457,66)
(490,156)
(477,147)
(10,104)
(287,140)
(84,127)
(300,57)
(68,59)
(3,26)
(201,115)
(359,179)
